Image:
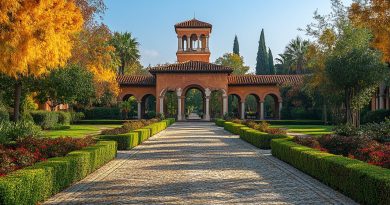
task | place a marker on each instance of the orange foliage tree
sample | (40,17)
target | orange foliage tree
(375,15)
(35,37)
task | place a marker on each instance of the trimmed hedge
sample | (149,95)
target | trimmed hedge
(365,183)
(101,122)
(132,139)
(294,122)
(64,118)
(38,182)
(376,116)
(45,119)
(259,139)
(220,122)
(102,113)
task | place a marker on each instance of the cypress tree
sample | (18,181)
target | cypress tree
(236,47)
(271,63)
(262,57)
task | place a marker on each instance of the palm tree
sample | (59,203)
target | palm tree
(296,53)
(126,48)
(283,64)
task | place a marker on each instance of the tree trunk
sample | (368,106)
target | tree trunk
(18,95)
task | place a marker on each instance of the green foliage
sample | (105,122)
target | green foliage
(64,118)
(259,139)
(233,127)
(129,105)
(101,122)
(4,115)
(262,66)
(76,117)
(355,69)
(294,122)
(11,131)
(234,61)
(294,56)
(376,116)
(34,184)
(236,46)
(66,86)
(271,64)
(220,122)
(45,119)
(102,113)
(341,173)
(194,102)
(126,48)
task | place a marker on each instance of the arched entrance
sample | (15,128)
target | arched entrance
(271,107)
(234,106)
(194,103)
(148,106)
(129,107)
(170,104)
(252,107)
(216,104)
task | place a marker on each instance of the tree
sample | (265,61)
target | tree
(296,53)
(374,15)
(356,69)
(283,64)
(236,46)
(126,47)
(271,62)
(262,56)
(234,61)
(28,27)
(66,86)
(127,106)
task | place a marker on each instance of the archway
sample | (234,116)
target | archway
(252,107)
(129,107)
(234,105)
(148,106)
(194,103)
(170,104)
(271,107)
(216,104)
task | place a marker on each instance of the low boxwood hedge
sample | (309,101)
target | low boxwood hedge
(220,122)
(259,139)
(233,127)
(365,183)
(132,139)
(101,122)
(36,183)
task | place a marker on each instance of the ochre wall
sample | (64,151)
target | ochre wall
(137,91)
(192,56)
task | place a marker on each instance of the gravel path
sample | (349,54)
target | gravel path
(197,163)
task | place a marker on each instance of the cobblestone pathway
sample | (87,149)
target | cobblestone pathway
(197,163)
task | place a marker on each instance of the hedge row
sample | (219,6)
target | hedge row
(38,182)
(293,122)
(101,122)
(365,183)
(259,139)
(102,113)
(48,120)
(132,139)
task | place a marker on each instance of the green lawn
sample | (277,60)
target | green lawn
(314,130)
(78,131)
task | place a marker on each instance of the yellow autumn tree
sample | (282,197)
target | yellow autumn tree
(35,37)
(375,15)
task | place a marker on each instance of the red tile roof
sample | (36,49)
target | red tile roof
(191,67)
(142,80)
(264,79)
(193,23)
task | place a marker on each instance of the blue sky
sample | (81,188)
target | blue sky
(152,21)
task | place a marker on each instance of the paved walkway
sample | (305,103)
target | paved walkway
(197,163)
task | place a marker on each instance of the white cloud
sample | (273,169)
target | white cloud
(150,53)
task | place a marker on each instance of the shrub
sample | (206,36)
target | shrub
(307,141)
(366,184)
(150,115)
(45,119)
(64,118)
(259,139)
(11,131)
(233,127)
(34,184)
(346,130)
(76,117)
(376,116)
(160,116)
(342,145)
(125,141)
(4,115)
(377,131)
(220,122)
(102,113)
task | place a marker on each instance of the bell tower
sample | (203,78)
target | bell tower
(193,40)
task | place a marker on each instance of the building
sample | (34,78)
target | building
(194,71)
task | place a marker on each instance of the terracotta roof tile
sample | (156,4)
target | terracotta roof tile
(191,67)
(264,79)
(193,23)
(145,80)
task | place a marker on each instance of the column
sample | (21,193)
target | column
(178,93)
(207,117)
(180,43)
(198,45)
(207,43)
(161,105)
(280,110)
(261,110)
(225,104)
(243,110)
(139,110)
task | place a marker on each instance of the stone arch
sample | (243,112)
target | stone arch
(191,110)
(234,105)
(194,42)
(127,96)
(272,105)
(274,94)
(252,106)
